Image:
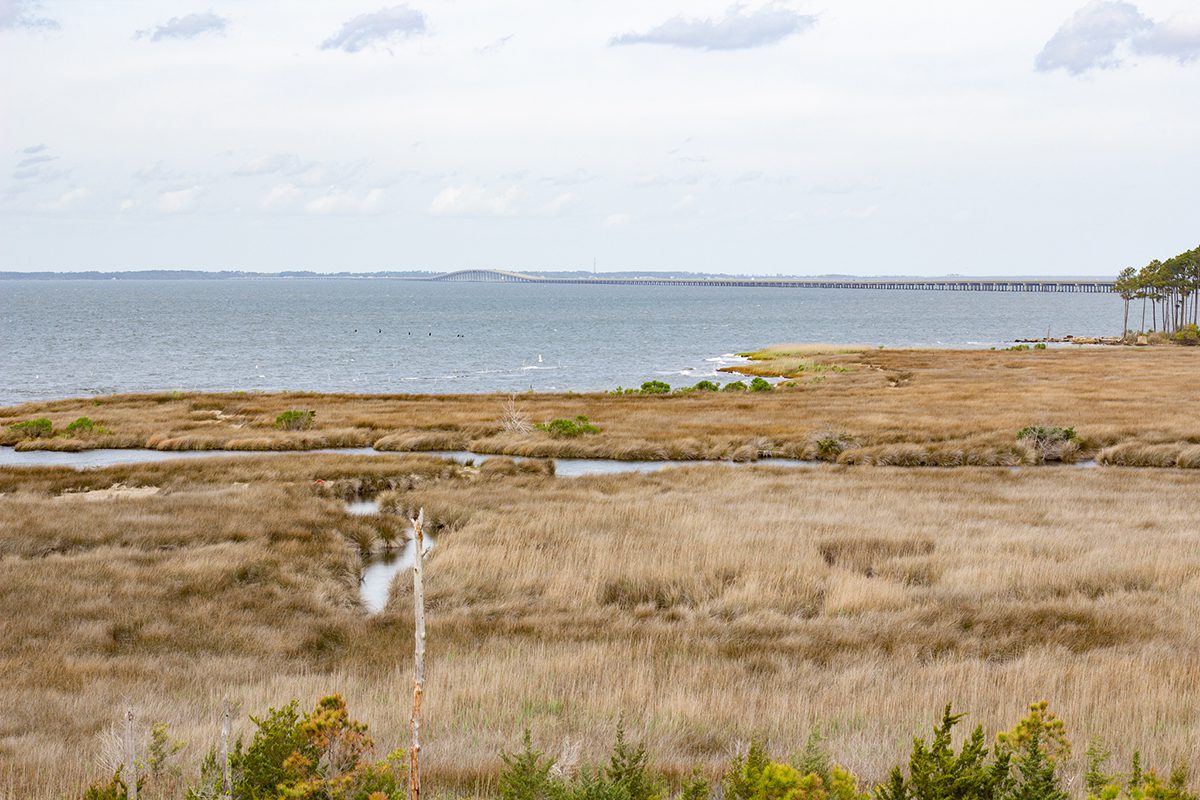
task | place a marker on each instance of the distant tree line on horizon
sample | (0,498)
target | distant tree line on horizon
(1169,289)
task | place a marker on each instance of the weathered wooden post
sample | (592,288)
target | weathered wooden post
(131,777)
(414,777)
(226,730)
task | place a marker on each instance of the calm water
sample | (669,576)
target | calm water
(69,338)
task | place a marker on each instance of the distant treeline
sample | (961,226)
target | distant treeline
(1169,289)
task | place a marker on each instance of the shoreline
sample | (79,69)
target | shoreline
(847,404)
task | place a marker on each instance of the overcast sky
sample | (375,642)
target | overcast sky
(856,136)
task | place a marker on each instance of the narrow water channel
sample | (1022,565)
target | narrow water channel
(381,569)
(564,467)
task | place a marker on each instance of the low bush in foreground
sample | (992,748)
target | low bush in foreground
(321,755)
(760,385)
(327,755)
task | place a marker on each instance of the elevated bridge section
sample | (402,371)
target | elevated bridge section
(920,285)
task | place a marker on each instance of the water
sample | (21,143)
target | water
(564,467)
(72,338)
(576,467)
(382,568)
(108,457)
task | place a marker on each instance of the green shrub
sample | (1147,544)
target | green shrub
(39,428)
(832,445)
(936,772)
(1189,334)
(628,770)
(294,420)
(744,772)
(567,428)
(756,777)
(81,425)
(655,387)
(1095,779)
(1040,346)
(85,425)
(115,789)
(736,386)
(706,386)
(1042,433)
(760,385)
(1018,347)
(695,787)
(160,752)
(526,775)
(1050,443)
(321,755)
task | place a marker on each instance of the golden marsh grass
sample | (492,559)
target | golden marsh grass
(706,604)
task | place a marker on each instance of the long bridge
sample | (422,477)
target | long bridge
(914,284)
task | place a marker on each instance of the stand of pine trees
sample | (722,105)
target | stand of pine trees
(1169,291)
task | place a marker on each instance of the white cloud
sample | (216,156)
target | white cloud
(24,14)
(617,220)
(68,199)
(473,201)
(158,172)
(280,195)
(276,164)
(340,201)
(384,25)
(1098,35)
(1090,38)
(179,201)
(737,30)
(563,201)
(128,205)
(1177,38)
(186,27)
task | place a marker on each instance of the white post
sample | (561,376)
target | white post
(414,778)
(130,757)
(226,730)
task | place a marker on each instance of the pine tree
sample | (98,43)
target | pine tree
(526,774)
(1036,777)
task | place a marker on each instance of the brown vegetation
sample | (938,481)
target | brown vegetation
(706,604)
(891,406)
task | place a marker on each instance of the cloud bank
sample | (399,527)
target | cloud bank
(737,30)
(1097,35)
(15,14)
(456,201)
(186,27)
(386,24)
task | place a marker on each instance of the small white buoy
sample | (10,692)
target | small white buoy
(539,358)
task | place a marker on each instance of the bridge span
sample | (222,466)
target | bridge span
(914,284)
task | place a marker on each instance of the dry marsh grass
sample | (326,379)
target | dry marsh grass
(708,605)
(894,407)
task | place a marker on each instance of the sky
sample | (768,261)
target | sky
(868,137)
